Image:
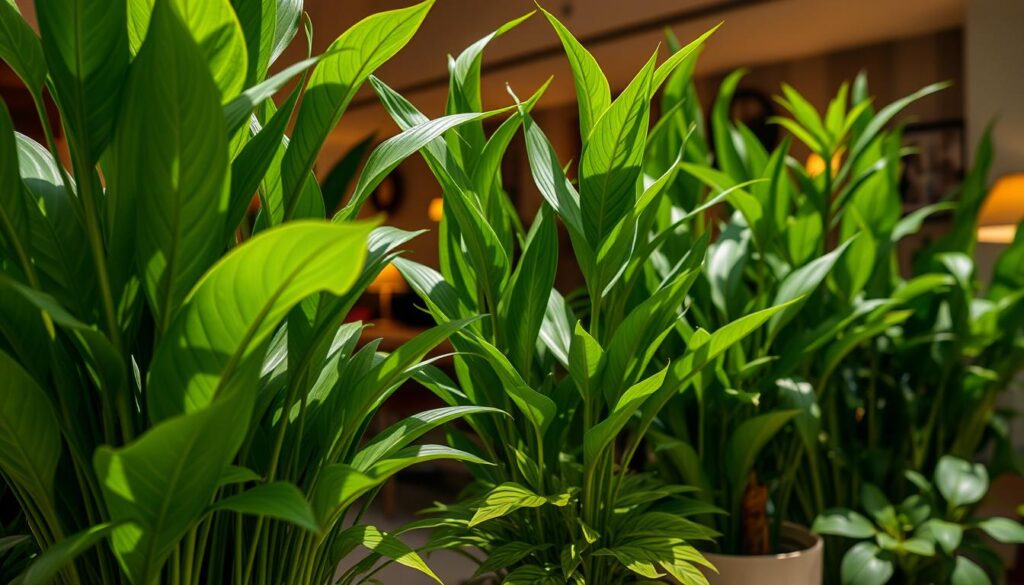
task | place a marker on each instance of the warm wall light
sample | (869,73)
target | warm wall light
(815,165)
(1002,211)
(388,282)
(436,209)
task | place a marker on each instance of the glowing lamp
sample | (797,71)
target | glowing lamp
(436,209)
(387,283)
(1002,210)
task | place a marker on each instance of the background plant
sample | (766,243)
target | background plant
(854,364)
(931,537)
(179,403)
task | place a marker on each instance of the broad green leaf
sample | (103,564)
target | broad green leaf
(15,222)
(746,443)
(725,337)
(250,168)
(213,26)
(843,523)
(877,505)
(506,555)
(279,499)
(727,157)
(960,482)
(883,117)
(30,436)
(337,487)
(1004,530)
(550,179)
(237,474)
(948,535)
(184,175)
(417,454)
(610,165)
(680,56)
(86,48)
(598,437)
(539,409)
(524,300)
(238,109)
(505,499)
(464,95)
(335,81)
(404,432)
(47,566)
(396,149)
(807,116)
(800,396)
(385,545)
(799,284)
(21,50)
(592,91)
(162,483)
(866,564)
(57,229)
(967,572)
(232,311)
(585,356)
(269,27)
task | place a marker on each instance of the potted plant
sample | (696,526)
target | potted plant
(832,233)
(562,504)
(182,403)
(932,536)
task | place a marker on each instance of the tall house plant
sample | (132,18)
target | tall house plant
(562,505)
(180,403)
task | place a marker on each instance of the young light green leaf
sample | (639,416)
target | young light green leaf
(505,499)
(396,149)
(265,278)
(385,545)
(592,91)
(161,483)
(335,81)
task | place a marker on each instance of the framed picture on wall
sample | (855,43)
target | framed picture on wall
(936,165)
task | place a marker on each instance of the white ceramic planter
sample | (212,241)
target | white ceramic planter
(802,566)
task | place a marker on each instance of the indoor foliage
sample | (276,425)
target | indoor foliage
(181,403)
(872,375)
(562,505)
(932,536)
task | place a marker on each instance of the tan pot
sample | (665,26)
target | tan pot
(803,566)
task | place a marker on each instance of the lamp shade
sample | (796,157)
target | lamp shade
(1002,210)
(389,280)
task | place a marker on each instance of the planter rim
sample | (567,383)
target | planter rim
(795,532)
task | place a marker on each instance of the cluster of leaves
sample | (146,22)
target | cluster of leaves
(931,537)
(181,403)
(561,504)
(866,374)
